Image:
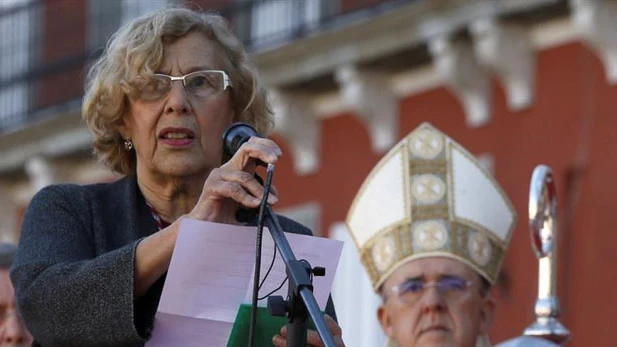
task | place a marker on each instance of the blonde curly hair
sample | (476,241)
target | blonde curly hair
(137,49)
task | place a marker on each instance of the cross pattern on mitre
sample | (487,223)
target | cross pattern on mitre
(428,189)
(430,235)
(479,248)
(426,144)
(384,253)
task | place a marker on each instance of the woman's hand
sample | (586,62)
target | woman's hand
(312,338)
(233,184)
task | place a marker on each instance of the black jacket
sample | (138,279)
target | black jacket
(73,272)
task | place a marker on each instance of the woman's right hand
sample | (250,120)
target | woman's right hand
(233,184)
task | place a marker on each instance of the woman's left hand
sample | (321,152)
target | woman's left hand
(233,184)
(312,338)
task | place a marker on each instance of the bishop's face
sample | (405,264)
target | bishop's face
(434,301)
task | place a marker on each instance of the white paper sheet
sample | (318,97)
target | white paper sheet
(211,273)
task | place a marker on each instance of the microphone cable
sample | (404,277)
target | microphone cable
(260,225)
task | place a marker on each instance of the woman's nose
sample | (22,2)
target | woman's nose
(178,100)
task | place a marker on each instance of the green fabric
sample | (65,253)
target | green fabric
(267,327)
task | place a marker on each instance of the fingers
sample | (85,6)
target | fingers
(233,183)
(312,337)
(279,341)
(256,148)
(249,184)
(274,191)
(334,328)
(239,186)
(267,143)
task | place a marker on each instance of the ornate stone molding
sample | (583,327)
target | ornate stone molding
(8,226)
(507,51)
(40,172)
(596,23)
(373,101)
(457,64)
(297,123)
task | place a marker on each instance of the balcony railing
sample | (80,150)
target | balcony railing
(46,45)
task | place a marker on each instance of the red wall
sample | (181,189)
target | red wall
(569,127)
(63,37)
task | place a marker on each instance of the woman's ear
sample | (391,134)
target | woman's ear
(123,128)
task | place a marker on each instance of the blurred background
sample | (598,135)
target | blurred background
(517,82)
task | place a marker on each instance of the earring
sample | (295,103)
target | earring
(128,144)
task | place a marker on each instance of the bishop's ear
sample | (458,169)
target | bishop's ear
(385,321)
(486,313)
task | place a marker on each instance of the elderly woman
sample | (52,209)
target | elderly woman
(92,259)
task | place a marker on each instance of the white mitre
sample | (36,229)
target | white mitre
(430,197)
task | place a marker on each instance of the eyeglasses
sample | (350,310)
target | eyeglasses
(201,84)
(451,287)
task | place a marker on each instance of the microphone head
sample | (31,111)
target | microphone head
(236,135)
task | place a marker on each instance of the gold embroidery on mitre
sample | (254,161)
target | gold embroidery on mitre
(479,248)
(424,212)
(426,144)
(429,235)
(428,189)
(435,167)
(384,252)
(430,228)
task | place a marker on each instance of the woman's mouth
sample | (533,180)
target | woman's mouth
(176,137)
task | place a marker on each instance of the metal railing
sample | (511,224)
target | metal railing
(45,46)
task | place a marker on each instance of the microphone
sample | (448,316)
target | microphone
(233,138)
(236,135)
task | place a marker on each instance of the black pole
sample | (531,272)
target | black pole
(301,287)
(258,243)
(256,276)
(297,315)
(300,293)
(298,273)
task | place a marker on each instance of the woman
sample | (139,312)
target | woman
(92,259)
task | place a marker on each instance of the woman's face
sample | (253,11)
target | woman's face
(179,134)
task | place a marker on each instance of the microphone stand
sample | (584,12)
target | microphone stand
(300,293)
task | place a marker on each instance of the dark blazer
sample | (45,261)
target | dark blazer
(73,272)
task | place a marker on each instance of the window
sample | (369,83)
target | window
(104,19)
(17,29)
(276,20)
(135,8)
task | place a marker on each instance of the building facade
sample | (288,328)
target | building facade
(517,82)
